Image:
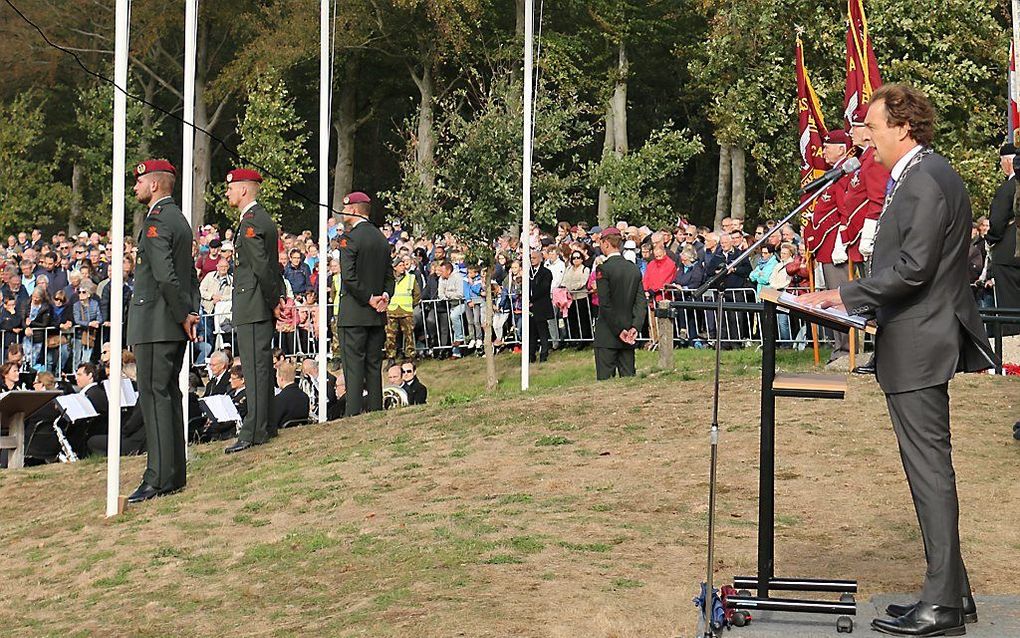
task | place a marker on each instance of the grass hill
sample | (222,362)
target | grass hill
(575,510)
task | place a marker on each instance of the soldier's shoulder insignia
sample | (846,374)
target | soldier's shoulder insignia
(249,215)
(157,210)
(249,232)
(343,243)
(151,231)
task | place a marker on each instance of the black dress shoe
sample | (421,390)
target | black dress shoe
(143,493)
(238,446)
(924,620)
(969,610)
(866,368)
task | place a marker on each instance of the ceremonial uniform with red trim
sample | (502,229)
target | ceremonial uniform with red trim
(823,226)
(865,195)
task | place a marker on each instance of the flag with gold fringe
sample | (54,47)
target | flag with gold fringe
(811,125)
(862,76)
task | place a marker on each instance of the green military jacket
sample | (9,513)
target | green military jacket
(166,284)
(258,282)
(622,304)
(365,270)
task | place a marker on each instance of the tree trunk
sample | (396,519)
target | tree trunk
(425,149)
(75,214)
(605,203)
(202,167)
(491,380)
(739,185)
(519,28)
(144,150)
(346,127)
(620,102)
(722,191)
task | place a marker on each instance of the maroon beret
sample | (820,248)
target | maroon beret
(244,175)
(857,119)
(838,136)
(357,197)
(611,230)
(155,166)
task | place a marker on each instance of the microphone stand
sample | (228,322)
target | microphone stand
(718,281)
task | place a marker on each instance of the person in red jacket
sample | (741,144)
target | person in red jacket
(822,232)
(865,196)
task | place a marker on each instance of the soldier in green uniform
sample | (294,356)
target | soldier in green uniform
(258,289)
(366,285)
(163,317)
(400,313)
(622,310)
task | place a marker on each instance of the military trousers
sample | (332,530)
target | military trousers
(160,400)
(255,345)
(404,324)
(612,361)
(362,358)
(921,422)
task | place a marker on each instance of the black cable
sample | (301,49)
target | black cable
(232,152)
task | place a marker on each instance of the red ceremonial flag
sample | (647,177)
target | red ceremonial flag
(1012,117)
(811,126)
(862,77)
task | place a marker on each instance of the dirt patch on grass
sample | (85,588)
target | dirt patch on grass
(574,511)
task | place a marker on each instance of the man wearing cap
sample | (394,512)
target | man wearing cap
(822,232)
(366,286)
(865,195)
(258,289)
(622,309)
(164,313)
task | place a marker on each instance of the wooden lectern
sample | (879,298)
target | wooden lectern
(14,407)
(816,386)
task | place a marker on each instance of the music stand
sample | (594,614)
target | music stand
(14,407)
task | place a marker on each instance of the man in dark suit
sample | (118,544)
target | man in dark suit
(164,313)
(541,307)
(929,329)
(366,281)
(219,374)
(417,393)
(258,289)
(1002,237)
(291,403)
(622,310)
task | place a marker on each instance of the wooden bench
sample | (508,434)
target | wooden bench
(810,386)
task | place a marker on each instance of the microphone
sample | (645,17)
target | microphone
(849,165)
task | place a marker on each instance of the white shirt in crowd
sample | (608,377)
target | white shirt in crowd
(452,287)
(557,268)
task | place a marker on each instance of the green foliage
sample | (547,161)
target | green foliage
(92,149)
(28,194)
(273,136)
(479,157)
(636,181)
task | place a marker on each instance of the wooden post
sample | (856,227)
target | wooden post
(811,288)
(853,333)
(665,325)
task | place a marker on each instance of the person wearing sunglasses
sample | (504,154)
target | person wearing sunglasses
(417,393)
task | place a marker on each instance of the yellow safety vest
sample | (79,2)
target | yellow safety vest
(402,294)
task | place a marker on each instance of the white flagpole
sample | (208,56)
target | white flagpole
(117,271)
(324,92)
(529,36)
(187,166)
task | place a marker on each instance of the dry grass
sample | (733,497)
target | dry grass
(578,510)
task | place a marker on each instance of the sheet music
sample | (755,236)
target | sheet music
(220,408)
(76,407)
(128,396)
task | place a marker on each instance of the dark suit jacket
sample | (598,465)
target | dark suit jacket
(737,278)
(290,404)
(541,294)
(928,322)
(622,304)
(221,386)
(1002,225)
(417,393)
(365,270)
(240,399)
(166,286)
(97,396)
(258,284)
(691,277)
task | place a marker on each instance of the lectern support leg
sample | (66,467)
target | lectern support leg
(17,430)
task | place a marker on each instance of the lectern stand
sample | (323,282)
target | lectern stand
(798,386)
(14,407)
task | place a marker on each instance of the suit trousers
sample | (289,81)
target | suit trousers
(255,345)
(835,276)
(362,358)
(610,361)
(921,422)
(160,399)
(539,338)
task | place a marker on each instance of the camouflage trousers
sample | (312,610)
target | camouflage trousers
(405,325)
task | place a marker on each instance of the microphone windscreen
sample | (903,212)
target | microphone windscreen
(850,165)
